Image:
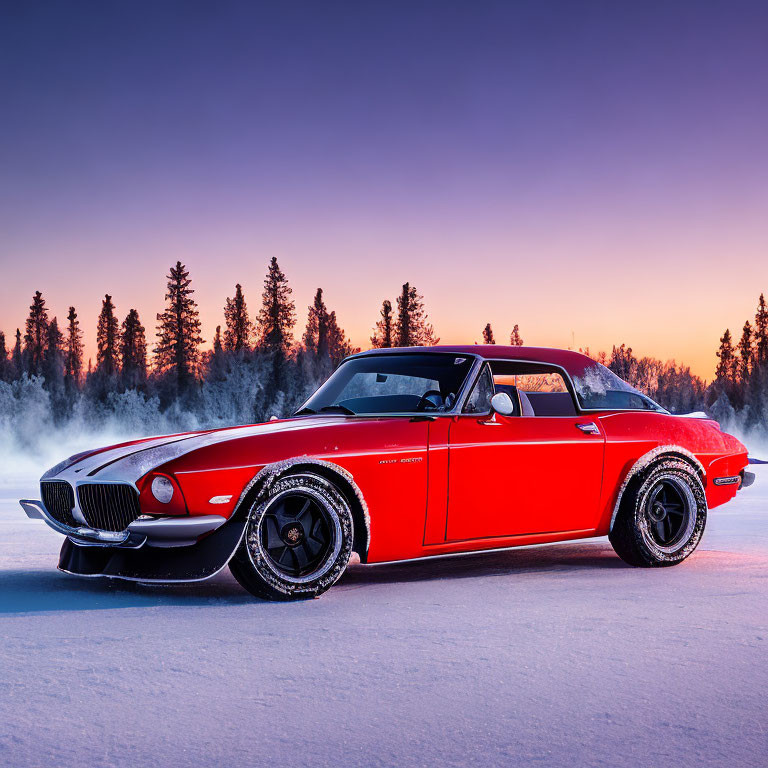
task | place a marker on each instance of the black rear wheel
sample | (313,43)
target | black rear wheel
(297,541)
(662,515)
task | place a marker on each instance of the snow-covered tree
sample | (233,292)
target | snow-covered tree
(514,338)
(488,335)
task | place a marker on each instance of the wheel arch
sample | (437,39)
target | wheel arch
(340,477)
(647,460)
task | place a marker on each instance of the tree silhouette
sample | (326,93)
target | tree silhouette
(5,364)
(514,338)
(36,336)
(278,313)
(745,352)
(339,346)
(239,329)
(316,333)
(488,335)
(73,350)
(384,332)
(53,362)
(413,329)
(133,351)
(107,355)
(217,345)
(761,332)
(177,352)
(726,365)
(17,357)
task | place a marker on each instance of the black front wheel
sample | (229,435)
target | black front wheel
(662,515)
(297,541)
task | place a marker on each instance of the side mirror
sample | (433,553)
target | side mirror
(501,403)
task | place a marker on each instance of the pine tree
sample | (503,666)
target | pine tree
(278,313)
(17,357)
(745,352)
(514,338)
(316,333)
(73,350)
(726,359)
(36,336)
(178,348)
(383,334)
(217,345)
(339,346)
(107,328)
(53,363)
(5,363)
(413,330)
(133,351)
(488,335)
(761,332)
(239,329)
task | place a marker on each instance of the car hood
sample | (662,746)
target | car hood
(128,462)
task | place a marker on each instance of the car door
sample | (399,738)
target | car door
(522,474)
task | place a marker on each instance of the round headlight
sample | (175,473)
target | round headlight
(162,489)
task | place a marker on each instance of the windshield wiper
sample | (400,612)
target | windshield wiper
(338,409)
(305,412)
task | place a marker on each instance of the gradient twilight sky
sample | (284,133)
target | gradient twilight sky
(594,171)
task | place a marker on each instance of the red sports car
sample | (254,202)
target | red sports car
(402,453)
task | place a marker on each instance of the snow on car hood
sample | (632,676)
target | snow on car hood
(128,463)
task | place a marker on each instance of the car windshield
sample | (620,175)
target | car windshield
(599,388)
(392,383)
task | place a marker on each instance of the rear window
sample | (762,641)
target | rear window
(599,388)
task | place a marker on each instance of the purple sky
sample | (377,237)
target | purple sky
(596,172)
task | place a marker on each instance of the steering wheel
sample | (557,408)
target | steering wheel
(425,402)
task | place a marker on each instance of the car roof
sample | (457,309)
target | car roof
(573,362)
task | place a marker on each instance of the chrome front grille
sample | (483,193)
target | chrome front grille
(108,506)
(59,499)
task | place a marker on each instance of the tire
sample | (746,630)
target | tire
(661,517)
(297,541)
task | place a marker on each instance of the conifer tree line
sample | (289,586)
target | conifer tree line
(251,350)
(257,367)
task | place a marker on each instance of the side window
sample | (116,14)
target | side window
(480,399)
(541,391)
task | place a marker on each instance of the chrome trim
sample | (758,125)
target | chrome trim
(157,532)
(37,511)
(176,531)
(588,428)
(731,480)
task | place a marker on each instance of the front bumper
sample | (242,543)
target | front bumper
(154,532)
(158,550)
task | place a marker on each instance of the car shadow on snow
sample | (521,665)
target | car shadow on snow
(31,591)
(594,555)
(39,591)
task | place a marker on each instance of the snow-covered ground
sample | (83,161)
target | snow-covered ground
(547,656)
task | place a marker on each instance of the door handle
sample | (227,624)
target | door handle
(588,428)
